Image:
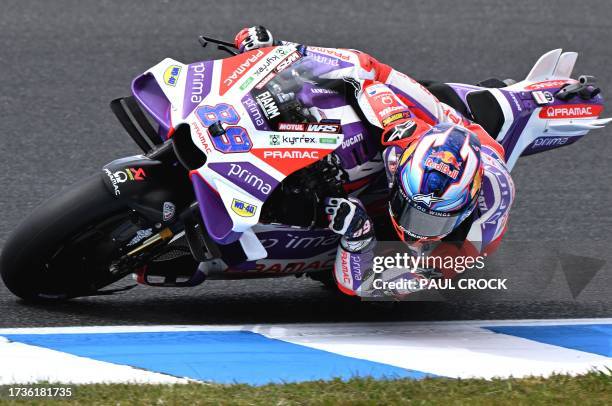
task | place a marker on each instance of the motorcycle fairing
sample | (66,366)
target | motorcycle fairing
(160,89)
(148,186)
(250,157)
(531,118)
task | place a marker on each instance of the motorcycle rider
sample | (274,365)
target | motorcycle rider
(447,177)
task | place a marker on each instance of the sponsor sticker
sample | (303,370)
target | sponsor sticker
(274,139)
(324,140)
(547,84)
(246,176)
(541,97)
(447,160)
(571,111)
(171,75)
(393,118)
(246,83)
(128,174)
(169,209)
(349,142)
(243,209)
(268,105)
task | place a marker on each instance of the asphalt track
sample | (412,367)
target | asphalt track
(61,62)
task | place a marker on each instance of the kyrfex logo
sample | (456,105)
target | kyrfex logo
(571,111)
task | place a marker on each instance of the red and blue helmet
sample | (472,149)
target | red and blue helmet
(436,184)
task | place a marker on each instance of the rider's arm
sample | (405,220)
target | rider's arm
(356,249)
(384,109)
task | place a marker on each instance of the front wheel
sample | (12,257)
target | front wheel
(65,248)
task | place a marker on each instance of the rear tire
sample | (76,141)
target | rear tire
(42,258)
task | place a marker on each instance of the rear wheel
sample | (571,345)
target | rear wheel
(67,246)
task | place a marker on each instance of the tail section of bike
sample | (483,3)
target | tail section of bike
(546,110)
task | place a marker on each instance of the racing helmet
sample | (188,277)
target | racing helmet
(436,184)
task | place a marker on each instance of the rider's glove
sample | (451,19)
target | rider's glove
(252,38)
(349,219)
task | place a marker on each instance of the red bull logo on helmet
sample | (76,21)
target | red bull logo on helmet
(448,164)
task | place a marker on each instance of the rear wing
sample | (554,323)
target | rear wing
(548,109)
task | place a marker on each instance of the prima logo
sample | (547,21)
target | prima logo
(197,82)
(254,112)
(249,178)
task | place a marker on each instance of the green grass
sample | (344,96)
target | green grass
(591,389)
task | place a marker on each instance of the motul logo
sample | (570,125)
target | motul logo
(571,111)
(290,127)
(292,154)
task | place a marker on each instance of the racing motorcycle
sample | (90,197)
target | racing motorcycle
(238,156)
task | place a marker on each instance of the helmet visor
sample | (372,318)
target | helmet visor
(418,223)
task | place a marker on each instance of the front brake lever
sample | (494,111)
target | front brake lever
(221,45)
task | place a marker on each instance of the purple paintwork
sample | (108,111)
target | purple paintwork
(255,113)
(415,103)
(246,176)
(322,98)
(217,221)
(488,200)
(323,63)
(197,87)
(463,91)
(546,143)
(298,244)
(358,146)
(148,93)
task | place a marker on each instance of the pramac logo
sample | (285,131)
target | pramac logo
(571,111)
(233,69)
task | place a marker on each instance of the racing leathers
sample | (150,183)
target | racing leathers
(402,110)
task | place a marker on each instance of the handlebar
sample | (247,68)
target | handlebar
(221,45)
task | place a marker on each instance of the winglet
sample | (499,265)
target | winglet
(545,67)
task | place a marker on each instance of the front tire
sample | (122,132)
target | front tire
(60,250)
